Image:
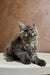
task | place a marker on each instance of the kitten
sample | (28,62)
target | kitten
(24,46)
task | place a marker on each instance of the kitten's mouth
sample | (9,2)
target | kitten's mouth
(30,35)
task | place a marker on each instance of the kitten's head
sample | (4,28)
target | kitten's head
(27,31)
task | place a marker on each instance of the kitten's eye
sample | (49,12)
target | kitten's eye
(25,30)
(30,29)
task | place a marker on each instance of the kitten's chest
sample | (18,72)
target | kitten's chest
(32,44)
(28,47)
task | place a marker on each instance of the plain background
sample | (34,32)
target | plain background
(12,11)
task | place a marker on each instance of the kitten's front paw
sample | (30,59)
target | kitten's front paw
(26,60)
(40,62)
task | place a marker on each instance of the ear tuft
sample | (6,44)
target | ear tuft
(33,23)
(21,25)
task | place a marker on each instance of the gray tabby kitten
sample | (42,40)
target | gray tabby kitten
(24,46)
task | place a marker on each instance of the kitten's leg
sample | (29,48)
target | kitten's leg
(8,56)
(9,59)
(37,61)
(24,57)
(34,57)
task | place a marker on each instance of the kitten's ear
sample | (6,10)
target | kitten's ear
(21,25)
(33,23)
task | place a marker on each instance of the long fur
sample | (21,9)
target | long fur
(24,46)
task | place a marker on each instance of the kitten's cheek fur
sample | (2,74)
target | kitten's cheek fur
(25,35)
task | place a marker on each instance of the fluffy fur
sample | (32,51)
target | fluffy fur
(24,46)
